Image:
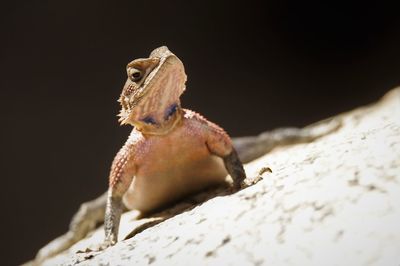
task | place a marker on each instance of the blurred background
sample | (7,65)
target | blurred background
(251,65)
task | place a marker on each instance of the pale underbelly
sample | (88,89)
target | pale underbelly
(154,190)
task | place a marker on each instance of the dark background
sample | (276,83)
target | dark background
(251,67)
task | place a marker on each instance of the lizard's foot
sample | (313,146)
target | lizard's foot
(244,184)
(86,254)
(95,249)
(250,182)
(259,177)
(92,251)
(106,244)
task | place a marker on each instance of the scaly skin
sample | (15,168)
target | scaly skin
(171,152)
(169,166)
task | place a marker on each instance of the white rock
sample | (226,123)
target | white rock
(335,201)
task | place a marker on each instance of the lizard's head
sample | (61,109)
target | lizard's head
(154,84)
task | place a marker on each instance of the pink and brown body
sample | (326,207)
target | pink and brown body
(171,151)
(153,170)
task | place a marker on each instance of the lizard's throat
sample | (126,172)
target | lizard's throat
(161,122)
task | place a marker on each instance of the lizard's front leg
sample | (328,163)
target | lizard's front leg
(219,144)
(112,218)
(235,169)
(122,173)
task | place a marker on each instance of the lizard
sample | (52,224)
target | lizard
(171,152)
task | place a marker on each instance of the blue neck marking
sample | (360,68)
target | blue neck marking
(171,110)
(149,120)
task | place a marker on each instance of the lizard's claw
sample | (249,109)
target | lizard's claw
(258,178)
(108,242)
(250,182)
(253,181)
(98,247)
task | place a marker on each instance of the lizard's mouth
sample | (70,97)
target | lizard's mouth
(128,104)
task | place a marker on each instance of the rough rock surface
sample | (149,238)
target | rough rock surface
(335,201)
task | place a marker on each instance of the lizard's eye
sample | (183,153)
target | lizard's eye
(135,75)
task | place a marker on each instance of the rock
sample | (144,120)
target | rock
(335,201)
